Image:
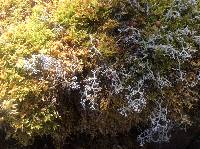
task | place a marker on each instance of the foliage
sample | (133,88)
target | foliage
(95,66)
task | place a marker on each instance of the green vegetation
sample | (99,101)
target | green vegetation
(97,66)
